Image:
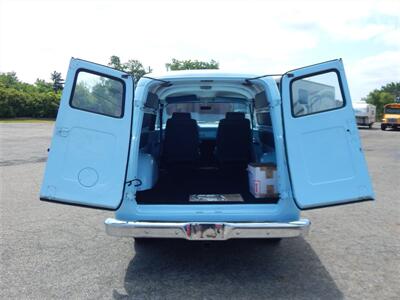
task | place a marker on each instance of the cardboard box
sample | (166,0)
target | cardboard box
(262,180)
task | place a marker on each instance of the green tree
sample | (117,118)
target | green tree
(57,80)
(9,79)
(136,69)
(19,99)
(392,88)
(43,86)
(115,62)
(132,66)
(191,65)
(386,94)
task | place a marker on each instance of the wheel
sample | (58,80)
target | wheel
(370,126)
(383,126)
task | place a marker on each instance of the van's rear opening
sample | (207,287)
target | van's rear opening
(198,139)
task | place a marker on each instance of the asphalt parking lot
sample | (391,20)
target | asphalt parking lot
(55,251)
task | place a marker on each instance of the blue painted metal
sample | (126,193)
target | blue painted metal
(147,174)
(87,162)
(321,151)
(326,161)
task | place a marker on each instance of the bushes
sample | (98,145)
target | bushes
(18,99)
(15,103)
(12,103)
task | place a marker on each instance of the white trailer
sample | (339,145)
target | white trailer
(365,113)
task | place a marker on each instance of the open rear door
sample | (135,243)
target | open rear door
(88,157)
(326,161)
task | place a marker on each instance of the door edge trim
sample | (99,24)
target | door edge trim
(336,204)
(45,199)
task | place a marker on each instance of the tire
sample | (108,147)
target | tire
(383,127)
(370,125)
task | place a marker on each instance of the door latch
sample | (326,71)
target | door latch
(136,182)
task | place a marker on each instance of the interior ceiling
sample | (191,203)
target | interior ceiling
(209,94)
(207,91)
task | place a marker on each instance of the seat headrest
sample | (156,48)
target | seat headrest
(234,116)
(181,116)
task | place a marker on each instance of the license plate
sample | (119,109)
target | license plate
(205,231)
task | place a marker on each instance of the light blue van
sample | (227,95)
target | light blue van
(170,155)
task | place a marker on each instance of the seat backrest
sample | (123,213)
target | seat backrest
(234,139)
(181,142)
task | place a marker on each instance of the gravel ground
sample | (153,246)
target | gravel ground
(55,251)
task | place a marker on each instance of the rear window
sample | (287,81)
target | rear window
(98,94)
(316,93)
(206,113)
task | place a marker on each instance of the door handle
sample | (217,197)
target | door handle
(63,131)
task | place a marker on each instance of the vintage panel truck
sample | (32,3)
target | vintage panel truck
(172,156)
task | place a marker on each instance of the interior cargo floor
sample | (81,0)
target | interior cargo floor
(176,187)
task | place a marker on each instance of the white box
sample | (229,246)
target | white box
(262,180)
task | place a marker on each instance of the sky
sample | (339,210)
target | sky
(261,37)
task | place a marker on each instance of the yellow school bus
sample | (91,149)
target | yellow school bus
(391,116)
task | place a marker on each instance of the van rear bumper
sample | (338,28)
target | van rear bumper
(206,231)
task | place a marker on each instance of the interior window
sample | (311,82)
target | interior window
(263,118)
(207,112)
(317,93)
(98,94)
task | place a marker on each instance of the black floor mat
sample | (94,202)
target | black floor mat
(176,186)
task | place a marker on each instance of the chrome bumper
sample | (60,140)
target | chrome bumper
(206,231)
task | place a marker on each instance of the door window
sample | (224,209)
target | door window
(98,94)
(316,93)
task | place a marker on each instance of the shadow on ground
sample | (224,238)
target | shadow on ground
(241,269)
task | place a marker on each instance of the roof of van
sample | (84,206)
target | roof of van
(199,74)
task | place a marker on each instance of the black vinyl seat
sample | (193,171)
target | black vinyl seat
(181,143)
(234,140)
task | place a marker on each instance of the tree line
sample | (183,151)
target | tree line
(386,94)
(38,100)
(41,99)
